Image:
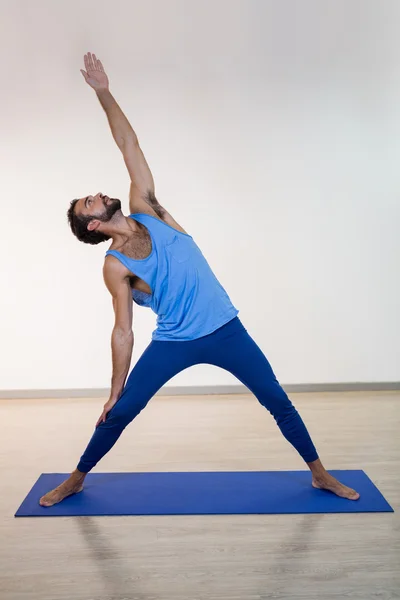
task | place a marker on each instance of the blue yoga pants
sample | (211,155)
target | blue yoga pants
(229,347)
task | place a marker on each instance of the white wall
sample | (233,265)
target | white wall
(272,129)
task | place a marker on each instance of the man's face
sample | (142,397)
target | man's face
(99,207)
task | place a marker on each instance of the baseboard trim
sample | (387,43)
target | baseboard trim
(189,390)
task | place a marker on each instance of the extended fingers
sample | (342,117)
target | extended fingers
(90,59)
(91,63)
(97,64)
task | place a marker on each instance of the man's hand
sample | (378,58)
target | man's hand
(94,74)
(107,407)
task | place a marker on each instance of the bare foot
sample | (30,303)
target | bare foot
(327,482)
(67,488)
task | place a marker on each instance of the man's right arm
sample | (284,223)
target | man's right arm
(117,282)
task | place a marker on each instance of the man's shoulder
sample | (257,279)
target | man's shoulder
(113,266)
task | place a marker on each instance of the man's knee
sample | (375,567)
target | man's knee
(275,399)
(123,413)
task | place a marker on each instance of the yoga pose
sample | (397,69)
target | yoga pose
(153,261)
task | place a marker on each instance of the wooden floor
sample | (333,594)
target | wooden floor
(239,557)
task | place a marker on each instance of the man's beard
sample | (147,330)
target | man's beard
(110,210)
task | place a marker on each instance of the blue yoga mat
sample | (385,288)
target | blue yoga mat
(203,493)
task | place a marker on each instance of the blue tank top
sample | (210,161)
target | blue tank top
(186,296)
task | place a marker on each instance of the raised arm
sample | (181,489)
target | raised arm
(117,282)
(142,191)
(142,182)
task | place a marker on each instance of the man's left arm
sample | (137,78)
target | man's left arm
(142,182)
(142,190)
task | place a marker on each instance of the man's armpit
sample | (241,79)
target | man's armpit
(152,201)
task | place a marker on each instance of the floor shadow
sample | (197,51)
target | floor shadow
(120,582)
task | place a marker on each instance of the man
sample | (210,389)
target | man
(153,261)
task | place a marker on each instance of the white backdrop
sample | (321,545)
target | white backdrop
(273,132)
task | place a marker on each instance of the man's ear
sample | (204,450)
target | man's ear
(93,225)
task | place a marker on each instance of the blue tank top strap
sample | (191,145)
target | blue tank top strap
(152,223)
(124,259)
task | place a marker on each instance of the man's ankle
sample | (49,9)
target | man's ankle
(78,474)
(317,468)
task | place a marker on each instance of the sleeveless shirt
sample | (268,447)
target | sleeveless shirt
(186,296)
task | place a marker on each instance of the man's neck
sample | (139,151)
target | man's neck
(122,228)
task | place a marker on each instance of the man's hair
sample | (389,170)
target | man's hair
(79,223)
